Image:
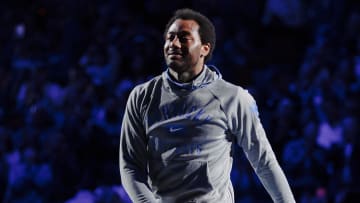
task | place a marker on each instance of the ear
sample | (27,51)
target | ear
(205,49)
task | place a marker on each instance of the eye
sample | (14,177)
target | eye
(183,39)
(170,37)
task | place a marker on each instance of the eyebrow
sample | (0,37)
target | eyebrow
(183,32)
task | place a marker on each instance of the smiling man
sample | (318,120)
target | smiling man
(184,51)
(179,127)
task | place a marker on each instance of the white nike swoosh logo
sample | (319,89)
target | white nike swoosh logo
(174,129)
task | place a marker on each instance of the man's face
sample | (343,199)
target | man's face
(183,49)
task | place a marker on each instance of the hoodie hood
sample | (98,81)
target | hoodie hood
(208,75)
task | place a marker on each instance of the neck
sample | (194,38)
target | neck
(186,76)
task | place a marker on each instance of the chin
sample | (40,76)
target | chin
(176,66)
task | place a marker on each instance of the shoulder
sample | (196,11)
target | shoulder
(145,88)
(234,100)
(227,90)
(141,95)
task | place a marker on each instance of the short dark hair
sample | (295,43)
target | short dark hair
(206,27)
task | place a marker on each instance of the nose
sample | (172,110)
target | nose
(175,42)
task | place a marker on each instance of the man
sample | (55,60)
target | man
(179,127)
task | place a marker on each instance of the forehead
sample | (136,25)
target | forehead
(181,25)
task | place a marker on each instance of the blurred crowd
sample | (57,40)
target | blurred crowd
(67,67)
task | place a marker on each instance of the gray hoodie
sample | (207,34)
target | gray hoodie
(176,141)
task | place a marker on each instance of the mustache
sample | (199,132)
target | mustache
(175,51)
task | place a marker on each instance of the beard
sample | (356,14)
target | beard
(179,65)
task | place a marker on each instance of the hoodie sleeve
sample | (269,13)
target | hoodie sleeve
(132,159)
(251,137)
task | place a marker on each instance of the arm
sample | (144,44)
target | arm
(252,138)
(132,159)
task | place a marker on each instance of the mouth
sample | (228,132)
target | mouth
(175,54)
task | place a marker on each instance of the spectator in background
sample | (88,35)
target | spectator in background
(289,12)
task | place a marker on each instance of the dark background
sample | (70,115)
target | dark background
(66,68)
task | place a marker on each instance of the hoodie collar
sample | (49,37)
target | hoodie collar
(208,75)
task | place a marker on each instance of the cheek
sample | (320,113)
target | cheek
(195,52)
(166,46)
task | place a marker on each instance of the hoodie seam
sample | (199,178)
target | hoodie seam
(221,104)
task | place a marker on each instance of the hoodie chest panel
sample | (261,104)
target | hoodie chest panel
(187,125)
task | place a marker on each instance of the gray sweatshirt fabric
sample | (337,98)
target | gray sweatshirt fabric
(176,141)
